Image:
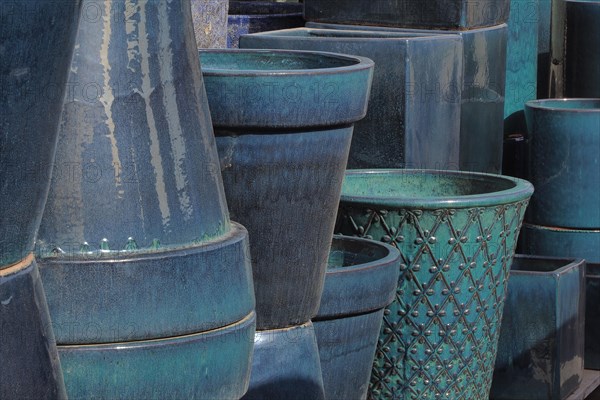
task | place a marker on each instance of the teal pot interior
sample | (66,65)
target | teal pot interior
(413,119)
(541,346)
(561,242)
(456,232)
(208,365)
(285,89)
(564,138)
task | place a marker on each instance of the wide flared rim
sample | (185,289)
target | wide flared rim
(392,255)
(518,190)
(554,104)
(356,63)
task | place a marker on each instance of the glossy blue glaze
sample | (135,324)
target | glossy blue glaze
(564,164)
(561,242)
(582,58)
(592,316)
(428,14)
(286,365)
(207,365)
(414,114)
(210,23)
(360,281)
(541,347)
(482,99)
(260,16)
(283,174)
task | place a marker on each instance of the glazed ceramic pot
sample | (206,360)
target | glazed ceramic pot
(210,23)
(561,242)
(361,280)
(414,115)
(563,162)
(279,147)
(136,244)
(456,233)
(33,78)
(260,16)
(541,346)
(428,14)
(583,33)
(286,365)
(592,316)
(482,98)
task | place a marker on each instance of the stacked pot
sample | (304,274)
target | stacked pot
(33,76)
(148,281)
(283,146)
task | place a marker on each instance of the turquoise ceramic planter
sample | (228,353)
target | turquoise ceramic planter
(564,138)
(541,346)
(413,119)
(457,233)
(361,280)
(561,242)
(482,98)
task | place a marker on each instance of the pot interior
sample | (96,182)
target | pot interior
(260,60)
(538,264)
(349,252)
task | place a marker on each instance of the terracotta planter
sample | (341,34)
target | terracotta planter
(414,115)
(457,233)
(541,346)
(33,78)
(482,99)
(278,147)
(136,238)
(361,280)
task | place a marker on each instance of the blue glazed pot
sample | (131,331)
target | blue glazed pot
(482,98)
(456,233)
(210,23)
(429,14)
(278,147)
(414,114)
(37,40)
(592,316)
(210,365)
(361,280)
(583,34)
(561,242)
(286,365)
(136,243)
(260,16)
(541,347)
(564,138)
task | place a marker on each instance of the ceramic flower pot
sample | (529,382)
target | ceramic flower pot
(280,147)
(136,244)
(414,114)
(33,78)
(428,14)
(563,161)
(286,365)
(561,242)
(482,98)
(260,16)
(592,316)
(456,233)
(540,351)
(361,280)
(210,23)
(582,33)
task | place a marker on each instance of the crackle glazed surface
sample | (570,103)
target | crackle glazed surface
(457,234)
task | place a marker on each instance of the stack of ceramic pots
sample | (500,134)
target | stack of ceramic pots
(456,232)
(33,72)
(482,27)
(148,281)
(414,113)
(283,145)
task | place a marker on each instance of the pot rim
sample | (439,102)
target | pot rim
(359,63)
(521,190)
(435,31)
(540,104)
(393,254)
(559,229)
(567,263)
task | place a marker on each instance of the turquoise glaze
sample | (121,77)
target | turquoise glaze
(561,242)
(456,233)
